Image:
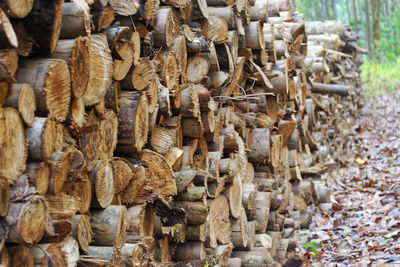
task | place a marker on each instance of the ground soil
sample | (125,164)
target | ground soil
(363,226)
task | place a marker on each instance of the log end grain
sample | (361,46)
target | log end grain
(13,149)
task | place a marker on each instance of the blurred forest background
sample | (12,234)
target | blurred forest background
(378,24)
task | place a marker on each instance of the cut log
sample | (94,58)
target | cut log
(108,129)
(331,89)
(215,29)
(260,145)
(235,202)
(109,226)
(58,170)
(42,137)
(38,174)
(22,97)
(26,220)
(127,51)
(70,248)
(190,251)
(132,122)
(60,230)
(179,46)
(219,213)
(122,174)
(224,12)
(43,22)
(249,193)
(195,193)
(254,36)
(108,255)
(20,256)
(140,76)
(220,2)
(197,69)
(82,190)
(240,230)
(163,139)
(75,20)
(132,254)
(17,9)
(125,7)
(51,82)
(4,196)
(82,231)
(101,17)
(183,179)
(61,205)
(159,175)
(13,145)
(87,140)
(140,221)
(196,212)
(131,191)
(8,64)
(25,40)
(192,128)
(189,101)
(171,70)
(100,69)
(166,28)
(7,37)
(261,212)
(196,232)
(48,254)
(259,257)
(178,3)
(102,184)
(162,251)
(234,262)
(259,11)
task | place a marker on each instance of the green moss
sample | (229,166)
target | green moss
(203,209)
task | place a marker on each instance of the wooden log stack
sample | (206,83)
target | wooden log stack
(148,133)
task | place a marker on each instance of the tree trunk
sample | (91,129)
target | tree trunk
(369,29)
(354,7)
(376,28)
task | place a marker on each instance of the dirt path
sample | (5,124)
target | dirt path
(363,227)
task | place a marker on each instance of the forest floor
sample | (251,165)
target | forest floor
(363,226)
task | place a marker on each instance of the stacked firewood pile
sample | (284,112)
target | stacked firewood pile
(140,133)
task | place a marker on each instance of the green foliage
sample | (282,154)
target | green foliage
(380,78)
(389,47)
(311,247)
